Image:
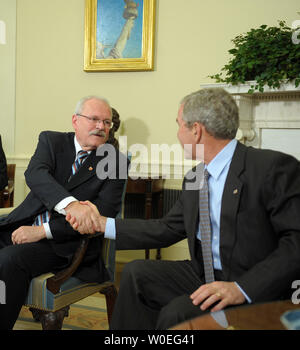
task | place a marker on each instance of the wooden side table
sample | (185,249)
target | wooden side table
(263,316)
(149,188)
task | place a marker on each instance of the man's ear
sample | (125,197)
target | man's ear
(74,121)
(197,131)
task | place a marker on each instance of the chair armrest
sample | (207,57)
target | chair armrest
(7,193)
(9,189)
(54,283)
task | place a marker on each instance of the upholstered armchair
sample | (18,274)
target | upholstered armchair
(50,296)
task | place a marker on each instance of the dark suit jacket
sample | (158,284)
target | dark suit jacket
(259,226)
(3,168)
(47,176)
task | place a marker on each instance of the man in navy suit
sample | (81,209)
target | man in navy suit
(35,238)
(254,203)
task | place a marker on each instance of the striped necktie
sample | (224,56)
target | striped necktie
(45,216)
(81,157)
(205,229)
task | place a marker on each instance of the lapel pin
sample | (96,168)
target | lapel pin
(235,191)
(90,168)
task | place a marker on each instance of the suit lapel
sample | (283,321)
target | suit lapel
(65,159)
(230,204)
(86,171)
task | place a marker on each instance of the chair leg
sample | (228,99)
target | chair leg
(35,314)
(50,320)
(111,294)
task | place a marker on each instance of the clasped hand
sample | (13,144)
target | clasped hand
(84,217)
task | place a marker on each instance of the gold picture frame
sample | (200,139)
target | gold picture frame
(127,18)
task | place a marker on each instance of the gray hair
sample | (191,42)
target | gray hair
(82,101)
(214,108)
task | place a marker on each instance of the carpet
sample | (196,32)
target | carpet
(87,314)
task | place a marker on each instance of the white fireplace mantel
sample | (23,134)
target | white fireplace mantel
(274,109)
(242,89)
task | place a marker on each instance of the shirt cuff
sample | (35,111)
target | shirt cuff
(110,229)
(60,207)
(47,230)
(245,295)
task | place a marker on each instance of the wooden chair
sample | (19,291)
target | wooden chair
(50,296)
(7,195)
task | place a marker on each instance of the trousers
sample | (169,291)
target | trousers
(19,264)
(155,295)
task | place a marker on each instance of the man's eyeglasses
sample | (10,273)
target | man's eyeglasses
(106,122)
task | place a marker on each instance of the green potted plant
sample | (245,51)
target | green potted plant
(266,55)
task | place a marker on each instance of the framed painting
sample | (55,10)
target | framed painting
(119,35)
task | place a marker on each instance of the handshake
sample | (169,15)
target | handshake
(85,218)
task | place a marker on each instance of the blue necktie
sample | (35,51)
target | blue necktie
(45,216)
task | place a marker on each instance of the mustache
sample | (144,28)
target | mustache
(98,133)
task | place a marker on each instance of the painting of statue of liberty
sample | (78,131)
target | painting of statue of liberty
(119,35)
(119,31)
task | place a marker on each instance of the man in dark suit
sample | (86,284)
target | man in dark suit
(3,168)
(254,249)
(64,170)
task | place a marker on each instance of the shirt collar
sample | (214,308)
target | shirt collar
(217,165)
(77,146)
